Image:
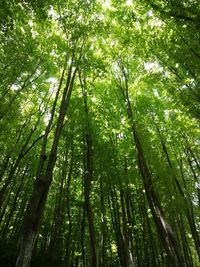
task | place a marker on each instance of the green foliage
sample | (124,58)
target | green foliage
(146,49)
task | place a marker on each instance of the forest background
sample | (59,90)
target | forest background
(99,133)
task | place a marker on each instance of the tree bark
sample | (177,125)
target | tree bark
(43,182)
(88,172)
(168,237)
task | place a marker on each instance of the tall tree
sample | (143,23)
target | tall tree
(99,133)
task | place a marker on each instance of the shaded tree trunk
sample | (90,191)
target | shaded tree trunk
(38,198)
(167,236)
(88,172)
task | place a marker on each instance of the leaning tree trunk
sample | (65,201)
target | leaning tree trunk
(23,152)
(43,182)
(165,231)
(188,206)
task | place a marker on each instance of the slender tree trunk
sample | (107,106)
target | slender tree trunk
(117,221)
(104,238)
(88,172)
(82,238)
(126,238)
(57,225)
(187,201)
(13,205)
(14,147)
(69,234)
(14,167)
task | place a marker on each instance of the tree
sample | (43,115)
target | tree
(99,110)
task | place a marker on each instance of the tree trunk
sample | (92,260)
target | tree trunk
(187,201)
(88,172)
(38,199)
(22,154)
(168,237)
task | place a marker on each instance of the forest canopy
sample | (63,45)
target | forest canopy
(99,133)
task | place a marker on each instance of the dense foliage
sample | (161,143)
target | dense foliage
(99,137)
